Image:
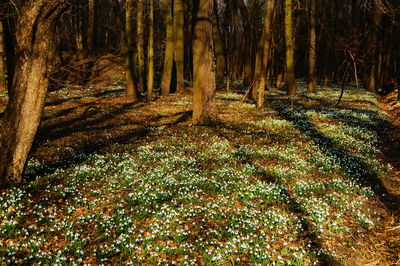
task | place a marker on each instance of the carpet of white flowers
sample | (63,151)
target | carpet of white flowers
(282,186)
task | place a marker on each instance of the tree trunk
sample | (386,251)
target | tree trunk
(140,44)
(179,52)
(204,77)
(375,50)
(3,83)
(150,54)
(312,44)
(91,36)
(247,41)
(257,69)
(268,15)
(290,78)
(130,57)
(218,46)
(169,49)
(35,30)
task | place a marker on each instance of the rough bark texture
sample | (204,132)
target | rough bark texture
(169,49)
(218,47)
(179,52)
(3,87)
(130,58)
(150,54)
(268,15)
(290,78)
(312,44)
(204,77)
(34,49)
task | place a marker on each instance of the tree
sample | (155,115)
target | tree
(290,77)
(130,57)
(3,87)
(92,27)
(179,52)
(204,77)
(375,46)
(169,48)
(150,54)
(218,46)
(140,43)
(312,47)
(268,15)
(35,31)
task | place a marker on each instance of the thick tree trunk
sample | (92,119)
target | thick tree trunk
(290,77)
(218,46)
(150,54)
(268,15)
(3,83)
(169,49)
(179,50)
(35,30)
(204,77)
(130,57)
(312,44)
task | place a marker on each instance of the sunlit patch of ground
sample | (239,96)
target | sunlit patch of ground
(297,182)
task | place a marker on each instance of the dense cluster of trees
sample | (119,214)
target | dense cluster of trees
(165,43)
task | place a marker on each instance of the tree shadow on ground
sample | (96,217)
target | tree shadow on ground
(308,233)
(95,145)
(352,165)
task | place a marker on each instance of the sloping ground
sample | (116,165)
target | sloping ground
(300,181)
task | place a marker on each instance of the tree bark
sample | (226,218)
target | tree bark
(218,46)
(290,77)
(268,15)
(312,47)
(204,77)
(130,57)
(375,49)
(140,44)
(3,83)
(247,41)
(179,52)
(169,49)
(35,30)
(91,35)
(150,54)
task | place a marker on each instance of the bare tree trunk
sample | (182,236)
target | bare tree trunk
(169,49)
(218,46)
(257,68)
(312,45)
(290,78)
(130,58)
(375,50)
(204,77)
(247,41)
(140,44)
(91,36)
(35,30)
(268,15)
(150,54)
(3,83)
(179,52)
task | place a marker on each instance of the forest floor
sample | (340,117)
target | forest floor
(298,182)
